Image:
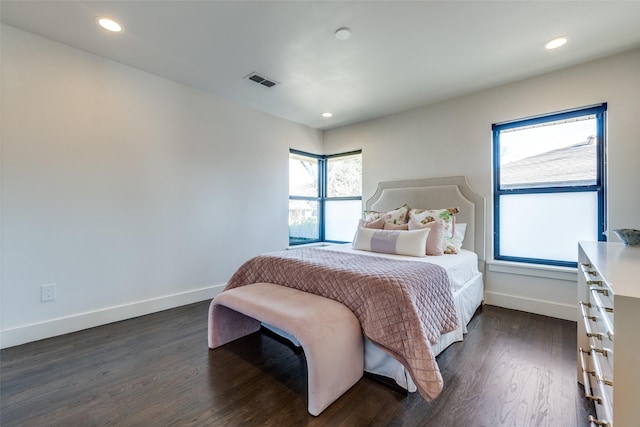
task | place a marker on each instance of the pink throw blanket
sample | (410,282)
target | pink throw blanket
(402,306)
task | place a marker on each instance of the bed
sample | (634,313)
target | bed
(463,270)
(467,281)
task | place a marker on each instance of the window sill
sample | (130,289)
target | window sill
(568,274)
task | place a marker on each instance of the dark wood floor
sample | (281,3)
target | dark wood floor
(513,369)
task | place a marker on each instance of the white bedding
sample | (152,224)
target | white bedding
(468,292)
(467,300)
(460,267)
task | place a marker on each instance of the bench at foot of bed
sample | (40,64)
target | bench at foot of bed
(328,332)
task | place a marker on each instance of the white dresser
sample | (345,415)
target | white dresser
(609,331)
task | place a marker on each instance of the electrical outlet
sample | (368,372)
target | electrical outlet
(47,292)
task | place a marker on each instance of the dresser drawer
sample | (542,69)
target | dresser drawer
(596,388)
(599,344)
(600,299)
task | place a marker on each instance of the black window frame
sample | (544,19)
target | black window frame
(322,192)
(600,112)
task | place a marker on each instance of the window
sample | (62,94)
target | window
(304,198)
(343,198)
(325,196)
(549,190)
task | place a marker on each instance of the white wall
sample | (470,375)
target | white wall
(454,138)
(133,193)
(130,192)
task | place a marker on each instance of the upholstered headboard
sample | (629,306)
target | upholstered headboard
(438,193)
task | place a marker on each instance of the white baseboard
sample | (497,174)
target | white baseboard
(545,308)
(64,325)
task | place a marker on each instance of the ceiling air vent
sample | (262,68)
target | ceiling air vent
(255,77)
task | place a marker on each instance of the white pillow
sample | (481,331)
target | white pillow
(458,235)
(454,244)
(411,243)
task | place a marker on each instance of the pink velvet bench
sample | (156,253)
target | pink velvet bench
(328,331)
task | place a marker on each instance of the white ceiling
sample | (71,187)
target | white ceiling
(402,54)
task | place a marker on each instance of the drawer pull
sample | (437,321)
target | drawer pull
(581,353)
(602,309)
(602,351)
(586,316)
(592,398)
(598,370)
(605,402)
(604,292)
(599,304)
(604,381)
(587,326)
(585,379)
(596,422)
(586,271)
(588,274)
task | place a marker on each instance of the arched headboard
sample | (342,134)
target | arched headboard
(438,193)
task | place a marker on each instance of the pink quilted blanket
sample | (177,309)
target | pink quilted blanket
(402,306)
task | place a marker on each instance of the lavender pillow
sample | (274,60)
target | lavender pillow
(411,243)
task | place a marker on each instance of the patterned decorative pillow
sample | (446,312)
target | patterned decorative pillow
(435,241)
(411,243)
(447,216)
(392,226)
(376,224)
(396,216)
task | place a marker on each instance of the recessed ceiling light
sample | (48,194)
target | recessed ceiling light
(343,33)
(556,43)
(109,24)
(327,115)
